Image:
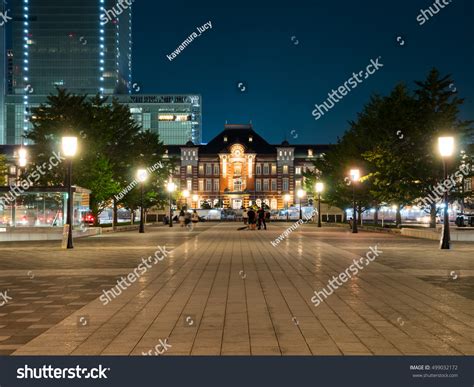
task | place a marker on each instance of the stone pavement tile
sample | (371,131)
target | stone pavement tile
(242,295)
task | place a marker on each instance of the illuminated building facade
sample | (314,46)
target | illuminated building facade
(239,168)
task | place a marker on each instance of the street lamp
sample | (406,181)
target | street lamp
(142,175)
(171,188)
(319,189)
(446,149)
(355,176)
(300,194)
(287,200)
(69,148)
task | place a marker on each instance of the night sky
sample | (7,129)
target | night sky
(254,42)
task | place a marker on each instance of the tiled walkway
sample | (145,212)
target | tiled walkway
(228,292)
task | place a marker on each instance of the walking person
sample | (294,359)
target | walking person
(187,219)
(252,215)
(181,218)
(195,217)
(261,218)
(245,216)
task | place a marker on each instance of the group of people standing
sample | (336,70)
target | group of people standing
(255,219)
(185,218)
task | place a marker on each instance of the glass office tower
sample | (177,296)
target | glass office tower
(175,118)
(83,46)
(3,81)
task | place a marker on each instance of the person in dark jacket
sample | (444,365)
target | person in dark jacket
(251,214)
(261,218)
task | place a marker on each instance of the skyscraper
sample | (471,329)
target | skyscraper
(3,81)
(69,44)
(83,46)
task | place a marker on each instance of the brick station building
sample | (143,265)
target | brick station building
(239,168)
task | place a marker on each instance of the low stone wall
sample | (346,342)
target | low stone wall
(42,234)
(459,234)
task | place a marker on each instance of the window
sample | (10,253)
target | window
(266,169)
(216,169)
(216,185)
(266,185)
(274,204)
(208,185)
(310,152)
(189,185)
(189,169)
(201,169)
(237,185)
(237,169)
(258,185)
(286,184)
(274,185)
(201,185)
(298,171)
(274,169)
(225,138)
(258,169)
(285,169)
(250,139)
(298,184)
(208,169)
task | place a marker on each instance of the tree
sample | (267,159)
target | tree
(111,144)
(439,108)
(3,170)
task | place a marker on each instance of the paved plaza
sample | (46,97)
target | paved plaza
(221,291)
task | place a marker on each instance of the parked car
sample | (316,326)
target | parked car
(88,218)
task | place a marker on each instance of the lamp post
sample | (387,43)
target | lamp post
(446,149)
(319,189)
(287,200)
(171,188)
(355,176)
(300,194)
(69,148)
(22,162)
(142,175)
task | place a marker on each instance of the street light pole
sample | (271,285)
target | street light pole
(446,149)
(354,212)
(171,187)
(319,209)
(287,200)
(142,175)
(69,147)
(355,176)
(319,189)
(142,223)
(446,241)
